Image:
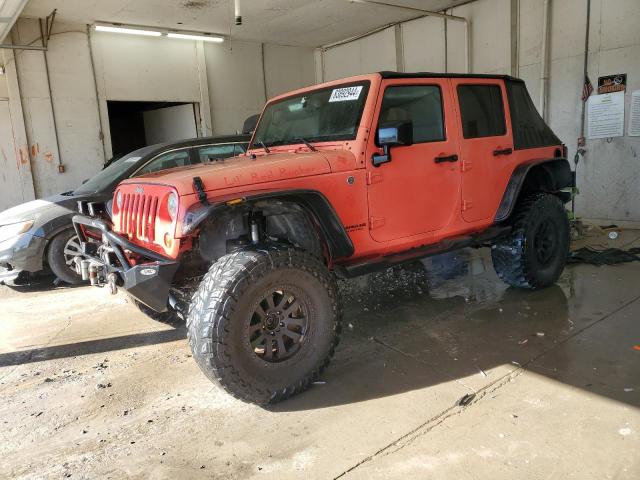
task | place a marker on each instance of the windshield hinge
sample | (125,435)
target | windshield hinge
(373,177)
(198,187)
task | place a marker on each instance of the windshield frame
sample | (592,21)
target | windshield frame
(366,88)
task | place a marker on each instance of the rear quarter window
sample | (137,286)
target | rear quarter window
(481,111)
(529,129)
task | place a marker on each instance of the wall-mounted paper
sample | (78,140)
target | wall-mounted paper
(634,115)
(606,115)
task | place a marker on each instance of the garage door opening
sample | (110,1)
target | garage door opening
(137,124)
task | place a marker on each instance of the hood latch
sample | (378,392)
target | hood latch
(198,187)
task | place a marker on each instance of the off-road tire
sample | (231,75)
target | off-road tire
(169,316)
(56,259)
(222,310)
(517,258)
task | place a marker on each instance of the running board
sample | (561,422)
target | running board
(386,261)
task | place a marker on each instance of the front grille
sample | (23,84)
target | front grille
(137,218)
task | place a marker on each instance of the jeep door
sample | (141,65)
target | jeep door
(486,145)
(418,191)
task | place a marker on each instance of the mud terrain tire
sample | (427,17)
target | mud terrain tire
(264,324)
(535,252)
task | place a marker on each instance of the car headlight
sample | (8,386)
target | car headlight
(14,229)
(119,200)
(172,205)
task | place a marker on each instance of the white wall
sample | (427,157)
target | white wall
(287,68)
(170,124)
(227,80)
(4,89)
(9,164)
(609,176)
(423,45)
(238,87)
(14,188)
(74,103)
(369,54)
(236,84)
(490,37)
(142,68)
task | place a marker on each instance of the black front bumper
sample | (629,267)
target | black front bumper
(148,282)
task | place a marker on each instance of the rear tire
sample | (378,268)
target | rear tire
(264,324)
(535,252)
(62,249)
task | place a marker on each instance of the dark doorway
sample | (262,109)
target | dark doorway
(137,124)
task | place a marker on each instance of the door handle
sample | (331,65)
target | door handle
(446,158)
(502,151)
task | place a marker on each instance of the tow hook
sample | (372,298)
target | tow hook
(111,281)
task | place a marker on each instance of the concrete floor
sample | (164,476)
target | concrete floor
(90,388)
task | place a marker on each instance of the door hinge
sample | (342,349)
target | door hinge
(466,165)
(466,205)
(376,222)
(373,177)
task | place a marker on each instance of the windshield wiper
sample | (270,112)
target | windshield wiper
(262,144)
(311,147)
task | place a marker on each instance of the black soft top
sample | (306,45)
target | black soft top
(389,74)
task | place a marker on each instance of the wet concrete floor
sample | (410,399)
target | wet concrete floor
(91,388)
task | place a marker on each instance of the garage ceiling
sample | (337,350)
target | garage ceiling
(309,23)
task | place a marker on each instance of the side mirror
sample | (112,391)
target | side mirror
(392,135)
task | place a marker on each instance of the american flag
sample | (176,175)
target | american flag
(587,89)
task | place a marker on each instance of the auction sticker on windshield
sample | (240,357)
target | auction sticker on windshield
(346,94)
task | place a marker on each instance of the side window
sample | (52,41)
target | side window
(240,148)
(179,158)
(482,111)
(215,152)
(420,104)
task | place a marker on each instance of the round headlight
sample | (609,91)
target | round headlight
(119,200)
(172,205)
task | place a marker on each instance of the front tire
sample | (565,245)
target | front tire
(62,250)
(535,252)
(264,324)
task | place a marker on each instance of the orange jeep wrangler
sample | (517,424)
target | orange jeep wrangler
(340,179)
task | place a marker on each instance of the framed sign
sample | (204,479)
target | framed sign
(612,83)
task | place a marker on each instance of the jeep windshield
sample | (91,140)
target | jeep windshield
(324,115)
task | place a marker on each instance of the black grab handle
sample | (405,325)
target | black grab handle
(502,151)
(446,158)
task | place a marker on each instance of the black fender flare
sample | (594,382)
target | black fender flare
(552,174)
(313,202)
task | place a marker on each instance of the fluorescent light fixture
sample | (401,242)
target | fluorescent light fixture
(130,31)
(204,38)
